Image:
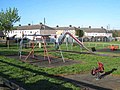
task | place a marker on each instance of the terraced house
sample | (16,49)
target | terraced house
(96,34)
(27,30)
(90,34)
(41,30)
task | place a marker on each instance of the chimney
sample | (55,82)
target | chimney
(57,26)
(40,23)
(29,24)
(78,26)
(102,27)
(19,24)
(70,25)
(89,26)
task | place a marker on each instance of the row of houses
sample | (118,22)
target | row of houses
(96,34)
(90,34)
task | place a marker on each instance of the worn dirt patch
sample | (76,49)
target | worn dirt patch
(41,62)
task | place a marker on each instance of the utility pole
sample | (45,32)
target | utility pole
(44,25)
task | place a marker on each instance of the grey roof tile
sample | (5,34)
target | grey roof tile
(31,27)
(97,30)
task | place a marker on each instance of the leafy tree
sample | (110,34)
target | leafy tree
(115,33)
(79,33)
(7,20)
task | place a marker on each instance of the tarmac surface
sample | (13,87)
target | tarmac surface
(89,82)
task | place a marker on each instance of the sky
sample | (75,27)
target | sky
(83,13)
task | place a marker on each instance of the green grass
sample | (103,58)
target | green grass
(33,77)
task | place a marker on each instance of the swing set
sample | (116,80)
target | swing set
(31,53)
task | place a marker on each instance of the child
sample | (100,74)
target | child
(98,70)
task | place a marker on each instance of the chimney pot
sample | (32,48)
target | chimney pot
(29,24)
(89,26)
(70,25)
(19,24)
(40,23)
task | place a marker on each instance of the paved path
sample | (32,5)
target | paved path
(87,80)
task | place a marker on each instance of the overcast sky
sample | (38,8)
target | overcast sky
(83,13)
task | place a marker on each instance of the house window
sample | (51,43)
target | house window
(30,31)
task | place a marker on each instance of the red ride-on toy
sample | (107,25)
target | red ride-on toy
(98,70)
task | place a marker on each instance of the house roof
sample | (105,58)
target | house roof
(2,34)
(64,28)
(95,30)
(31,27)
(42,27)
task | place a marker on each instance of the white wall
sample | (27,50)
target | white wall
(98,34)
(18,33)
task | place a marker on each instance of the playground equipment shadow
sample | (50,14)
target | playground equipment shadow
(39,61)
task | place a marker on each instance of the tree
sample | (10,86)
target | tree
(79,33)
(7,20)
(116,33)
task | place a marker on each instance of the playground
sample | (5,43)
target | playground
(67,67)
(84,80)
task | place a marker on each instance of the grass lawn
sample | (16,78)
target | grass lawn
(35,78)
